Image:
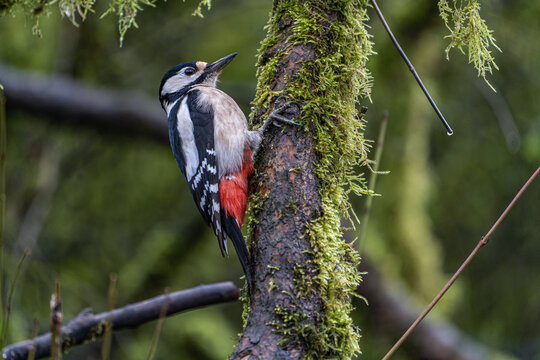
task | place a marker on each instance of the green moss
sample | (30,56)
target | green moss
(468,29)
(272,284)
(254,207)
(72,8)
(328,87)
(273,269)
(304,284)
(292,206)
(198,10)
(292,322)
(125,10)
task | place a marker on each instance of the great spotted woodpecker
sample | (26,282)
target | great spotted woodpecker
(213,147)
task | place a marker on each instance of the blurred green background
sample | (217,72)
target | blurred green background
(92,202)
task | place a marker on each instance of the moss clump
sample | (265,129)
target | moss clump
(304,284)
(292,323)
(468,29)
(328,86)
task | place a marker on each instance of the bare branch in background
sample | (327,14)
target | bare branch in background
(87,326)
(71,101)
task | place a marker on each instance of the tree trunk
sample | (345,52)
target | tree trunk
(305,274)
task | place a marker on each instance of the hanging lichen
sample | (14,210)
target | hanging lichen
(198,10)
(468,29)
(328,86)
(125,10)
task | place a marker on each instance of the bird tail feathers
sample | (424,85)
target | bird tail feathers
(233,231)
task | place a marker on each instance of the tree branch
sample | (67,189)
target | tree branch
(87,326)
(279,244)
(65,99)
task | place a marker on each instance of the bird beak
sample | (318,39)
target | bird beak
(217,66)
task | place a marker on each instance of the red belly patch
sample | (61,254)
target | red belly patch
(233,189)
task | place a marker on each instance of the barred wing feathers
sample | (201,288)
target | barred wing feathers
(198,164)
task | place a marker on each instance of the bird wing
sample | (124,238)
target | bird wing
(204,184)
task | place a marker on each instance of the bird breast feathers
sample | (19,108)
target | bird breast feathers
(230,128)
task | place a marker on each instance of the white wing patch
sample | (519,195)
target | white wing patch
(185,131)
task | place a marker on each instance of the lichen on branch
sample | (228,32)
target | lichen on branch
(468,29)
(198,9)
(77,10)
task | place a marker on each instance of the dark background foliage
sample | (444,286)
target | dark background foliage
(91,202)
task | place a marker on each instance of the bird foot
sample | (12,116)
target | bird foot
(277,115)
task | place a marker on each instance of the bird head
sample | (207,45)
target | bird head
(178,80)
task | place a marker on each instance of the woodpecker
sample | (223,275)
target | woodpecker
(213,147)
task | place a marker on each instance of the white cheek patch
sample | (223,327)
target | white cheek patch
(174,83)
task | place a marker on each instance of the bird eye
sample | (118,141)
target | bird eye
(189,71)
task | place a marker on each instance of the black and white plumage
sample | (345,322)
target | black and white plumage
(213,147)
(191,133)
(209,136)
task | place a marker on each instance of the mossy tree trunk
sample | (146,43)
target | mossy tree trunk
(305,274)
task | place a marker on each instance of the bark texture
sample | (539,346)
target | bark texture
(305,273)
(289,201)
(279,249)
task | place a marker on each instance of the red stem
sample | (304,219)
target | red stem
(481,243)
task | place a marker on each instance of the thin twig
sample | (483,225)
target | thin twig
(482,242)
(372,181)
(3,146)
(7,314)
(449,130)
(88,327)
(503,114)
(159,326)
(35,329)
(37,212)
(56,324)
(107,338)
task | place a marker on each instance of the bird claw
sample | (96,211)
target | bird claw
(279,100)
(279,107)
(276,115)
(282,119)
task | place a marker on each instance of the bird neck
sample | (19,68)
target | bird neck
(171,98)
